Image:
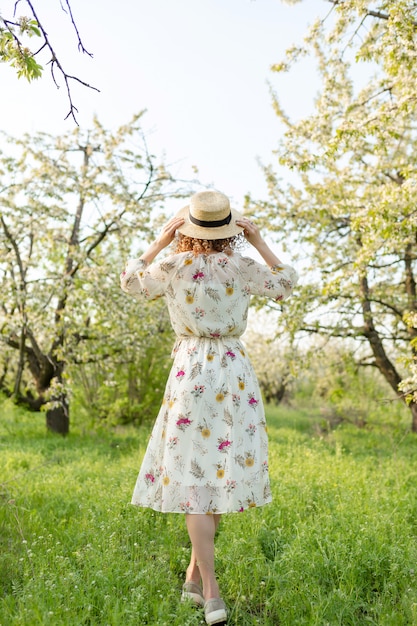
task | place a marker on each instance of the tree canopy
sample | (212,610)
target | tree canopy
(70,209)
(352,206)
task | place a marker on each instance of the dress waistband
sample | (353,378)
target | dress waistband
(198,339)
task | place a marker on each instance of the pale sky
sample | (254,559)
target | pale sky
(200,68)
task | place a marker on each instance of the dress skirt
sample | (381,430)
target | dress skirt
(208,451)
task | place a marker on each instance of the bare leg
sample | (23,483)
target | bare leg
(201,529)
(217,517)
(193,573)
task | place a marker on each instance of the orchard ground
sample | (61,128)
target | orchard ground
(336,547)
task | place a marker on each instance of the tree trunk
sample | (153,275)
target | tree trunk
(413,409)
(57,418)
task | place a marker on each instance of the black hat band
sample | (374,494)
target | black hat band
(212,224)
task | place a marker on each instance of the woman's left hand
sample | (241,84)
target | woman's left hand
(163,240)
(251,231)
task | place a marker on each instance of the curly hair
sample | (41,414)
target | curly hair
(204,246)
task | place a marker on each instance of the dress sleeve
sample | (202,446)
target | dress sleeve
(147,281)
(275,282)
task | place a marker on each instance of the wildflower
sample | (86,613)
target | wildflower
(165,481)
(224,443)
(231,354)
(220,397)
(198,313)
(236,399)
(186,507)
(205,433)
(252,401)
(249,461)
(220,473)
(198,390)
(180,374)
(251,430)
(183,421)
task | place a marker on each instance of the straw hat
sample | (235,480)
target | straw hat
(209,216)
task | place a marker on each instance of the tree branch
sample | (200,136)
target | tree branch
(80,43)
(370,13)
(54,61)
(15,247)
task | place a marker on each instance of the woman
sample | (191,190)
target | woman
(208,452)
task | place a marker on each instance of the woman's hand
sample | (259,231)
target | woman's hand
(167,234)
(251,232)
(163,240)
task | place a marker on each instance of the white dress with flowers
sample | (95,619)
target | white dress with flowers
(208,451)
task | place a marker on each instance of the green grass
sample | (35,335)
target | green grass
(338,546)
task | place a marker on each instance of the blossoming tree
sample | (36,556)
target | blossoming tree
(70,207)
(352,207)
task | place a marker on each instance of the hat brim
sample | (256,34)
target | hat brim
(217,232)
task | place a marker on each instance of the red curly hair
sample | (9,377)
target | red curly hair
(204,246)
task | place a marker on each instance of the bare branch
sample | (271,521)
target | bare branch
(54,60)
(15,247)
(80,43)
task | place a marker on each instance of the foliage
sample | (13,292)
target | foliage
(274,360)
(128,387)
(12,50)
(351,210)
(71,206)
(336,546)
(16,35)
(343,391)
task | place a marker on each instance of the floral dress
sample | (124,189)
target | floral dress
(208,451)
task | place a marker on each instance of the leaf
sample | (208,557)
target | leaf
(196,470)
(195,370)
(228,417)
(213,294)
(240,460)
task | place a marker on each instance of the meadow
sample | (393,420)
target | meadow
(336,547)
